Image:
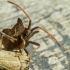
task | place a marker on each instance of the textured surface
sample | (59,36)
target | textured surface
(8,61)
(54,16)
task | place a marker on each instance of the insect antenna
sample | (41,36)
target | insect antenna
(47,33)
(23,11)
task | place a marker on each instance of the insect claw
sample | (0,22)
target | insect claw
(18,55)
(29,55)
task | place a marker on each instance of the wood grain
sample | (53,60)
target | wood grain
(8,61)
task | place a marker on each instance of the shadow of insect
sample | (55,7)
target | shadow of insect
(18,37)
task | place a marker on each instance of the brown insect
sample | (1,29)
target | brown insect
(21,35)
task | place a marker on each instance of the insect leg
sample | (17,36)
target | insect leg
(35,43)
(7,36)
(32,33)
(27,53)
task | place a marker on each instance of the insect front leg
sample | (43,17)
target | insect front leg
(32,34)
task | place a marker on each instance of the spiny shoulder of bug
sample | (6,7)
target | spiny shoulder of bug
(27,33)
(22,30)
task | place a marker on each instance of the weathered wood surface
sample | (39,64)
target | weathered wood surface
(9,61)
